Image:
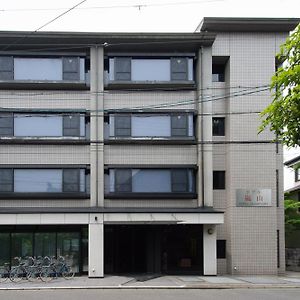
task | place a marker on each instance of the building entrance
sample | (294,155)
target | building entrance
(168,249)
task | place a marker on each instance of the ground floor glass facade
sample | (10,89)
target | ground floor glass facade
(68,241)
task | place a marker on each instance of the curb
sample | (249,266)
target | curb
(203,286)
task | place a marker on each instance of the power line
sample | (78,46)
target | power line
(131,91)
(139,6)
(44,25)
(179,103)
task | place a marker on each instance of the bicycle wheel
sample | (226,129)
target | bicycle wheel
(68,273)
(33,275)
(16,275)
(4,274)
(47,275)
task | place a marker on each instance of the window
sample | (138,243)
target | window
(161,69)
(137,181)
(150,125)
(6,180)
(6,68)
(297,174)
(179,68)
(218,180)
(218,126)
(179,125)
(122,125)
(42,125)
(123,181)
(218,73)
(6,124)
(218,68)
(123,68)
(42,68)
(44,181)
(71,125)
(221,248)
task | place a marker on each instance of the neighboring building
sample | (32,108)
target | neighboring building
(293,237)
(138,152)
(294,191)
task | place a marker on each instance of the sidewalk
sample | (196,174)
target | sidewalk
(289,280)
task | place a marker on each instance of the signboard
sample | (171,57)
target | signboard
(249,197)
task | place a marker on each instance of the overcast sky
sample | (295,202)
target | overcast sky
(134,15)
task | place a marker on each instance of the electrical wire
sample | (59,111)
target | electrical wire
(178,103)
(44,25)
(113,6)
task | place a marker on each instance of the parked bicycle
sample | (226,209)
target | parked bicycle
(4,272)
(56,268)
(21,271)
(32,268)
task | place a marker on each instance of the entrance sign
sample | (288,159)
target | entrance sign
(261,197)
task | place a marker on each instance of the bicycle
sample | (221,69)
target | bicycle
(34,271)
(4,272)
(20,271)
(57,268)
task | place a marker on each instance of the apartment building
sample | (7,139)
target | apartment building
(139,153)
(293,164)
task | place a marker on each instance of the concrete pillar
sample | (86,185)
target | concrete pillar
(97,134)
(96,246)
(209,250)
(204,132)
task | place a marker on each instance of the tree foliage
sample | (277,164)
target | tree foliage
(292,215)
(282,116)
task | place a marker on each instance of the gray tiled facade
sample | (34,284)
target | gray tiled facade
(249,160)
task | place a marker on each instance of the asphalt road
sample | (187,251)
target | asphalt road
(171,294)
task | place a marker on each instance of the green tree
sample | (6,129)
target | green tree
(292,215)
(282,116)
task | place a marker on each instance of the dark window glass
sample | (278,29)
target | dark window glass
(179,181)
(6,68)
(221,248)
(123,178)
(68,245)
(218,72)
(218,126)
(5,248)
(71,125)
(297,174)
(123,125)
(45,244)
(6,124)
(218,180)
(71,179)
(179,68)
(179,124)
(71,68)
(6,180)
(22,245)
(123,68)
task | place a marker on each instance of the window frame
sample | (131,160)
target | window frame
(153,195)
(217,184)
(188,128)
(63,194)
(187,69)
(220,129)
(80,134)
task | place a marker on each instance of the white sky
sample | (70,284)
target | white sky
(139,16)
(153,15)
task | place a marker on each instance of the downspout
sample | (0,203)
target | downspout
(202,132)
